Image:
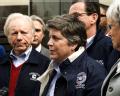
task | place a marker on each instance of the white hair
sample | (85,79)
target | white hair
(12,17)
(113,11)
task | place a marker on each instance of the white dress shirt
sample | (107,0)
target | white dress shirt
(38,48)
(90,41)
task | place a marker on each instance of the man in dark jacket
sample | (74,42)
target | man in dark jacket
(19,73)
(98,45)
(72,72)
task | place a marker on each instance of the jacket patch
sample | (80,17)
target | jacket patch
(80,82)
(34,76)
(100,61)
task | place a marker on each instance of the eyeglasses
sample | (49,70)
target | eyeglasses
(102,15)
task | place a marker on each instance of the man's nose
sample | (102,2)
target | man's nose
(50,42)
(35,34)
(19,36)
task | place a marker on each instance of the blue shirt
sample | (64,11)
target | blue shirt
(19,60)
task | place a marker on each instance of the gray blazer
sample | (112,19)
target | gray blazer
(111,84)
(45,51)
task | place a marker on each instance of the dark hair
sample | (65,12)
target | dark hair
(71,28)
(91,6)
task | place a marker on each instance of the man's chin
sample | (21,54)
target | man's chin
(35,45)
(35,42)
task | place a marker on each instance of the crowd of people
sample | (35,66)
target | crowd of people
(82,58)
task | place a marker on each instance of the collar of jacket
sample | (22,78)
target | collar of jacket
(33,58)
(66,66)
(99,35)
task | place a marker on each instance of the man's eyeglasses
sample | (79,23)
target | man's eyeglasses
(102,15)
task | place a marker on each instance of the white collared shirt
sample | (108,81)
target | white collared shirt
(19,60)
(90,41)
(38,48)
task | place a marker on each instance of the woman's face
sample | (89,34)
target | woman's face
(114,33)
(58,46)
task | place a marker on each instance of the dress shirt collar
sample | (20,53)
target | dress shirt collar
(76,54)
(90,41)
(38,48)
(18,60)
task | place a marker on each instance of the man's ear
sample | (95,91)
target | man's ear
(94,18)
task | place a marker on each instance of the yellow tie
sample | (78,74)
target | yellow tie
(44,78)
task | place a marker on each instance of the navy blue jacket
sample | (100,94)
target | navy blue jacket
(31,69)
(2,51)
(3,54)
(113,57)
(101,48)
(82,77)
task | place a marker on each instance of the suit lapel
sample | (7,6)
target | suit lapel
(107,79)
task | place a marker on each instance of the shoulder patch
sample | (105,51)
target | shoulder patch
(81,78)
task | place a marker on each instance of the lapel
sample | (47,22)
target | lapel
(42,50)
(109,76)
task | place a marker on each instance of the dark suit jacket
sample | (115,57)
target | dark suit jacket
(101,48)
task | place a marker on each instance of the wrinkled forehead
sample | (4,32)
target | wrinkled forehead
(20,19)
(20,22)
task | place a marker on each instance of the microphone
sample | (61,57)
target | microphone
(4,91)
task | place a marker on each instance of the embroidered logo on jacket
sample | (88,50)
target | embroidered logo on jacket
(100,61)
(34,76)
(81,78)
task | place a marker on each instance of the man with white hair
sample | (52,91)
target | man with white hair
(19,73)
